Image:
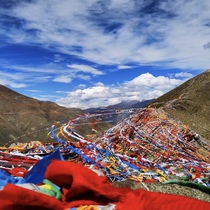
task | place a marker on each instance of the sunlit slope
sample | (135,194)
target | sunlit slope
(24,119)
(190,103)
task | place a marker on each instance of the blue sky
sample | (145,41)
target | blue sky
(92,53)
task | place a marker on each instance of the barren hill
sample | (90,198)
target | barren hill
(190,103)
(24,118)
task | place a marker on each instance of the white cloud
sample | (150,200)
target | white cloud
(63,79)
(50,72)
(184,75)
(85,69)
(12,80)
(145,86)
(83,77)
(18,75)
(147,80)
(118,32)
(14,85)
(31,69)
(58,58)
(124,67)
(33,91)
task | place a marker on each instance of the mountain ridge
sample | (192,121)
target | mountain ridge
(21,115)
(189,103)
(122,105)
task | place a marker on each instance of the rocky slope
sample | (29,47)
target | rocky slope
(25,119)
(190,103)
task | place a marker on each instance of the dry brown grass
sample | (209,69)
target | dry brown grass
(168,189)
(191,105)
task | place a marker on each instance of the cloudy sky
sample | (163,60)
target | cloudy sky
(83,54)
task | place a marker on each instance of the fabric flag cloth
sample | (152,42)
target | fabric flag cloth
(81,186)
(36,174)
(7,178)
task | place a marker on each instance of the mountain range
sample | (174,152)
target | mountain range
(121,105)
(25,119)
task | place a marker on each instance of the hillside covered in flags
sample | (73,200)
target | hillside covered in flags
(146,146)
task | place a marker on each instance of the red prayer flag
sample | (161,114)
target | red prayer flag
(81,186)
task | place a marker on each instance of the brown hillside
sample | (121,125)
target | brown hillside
(25,119)
(190,103)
